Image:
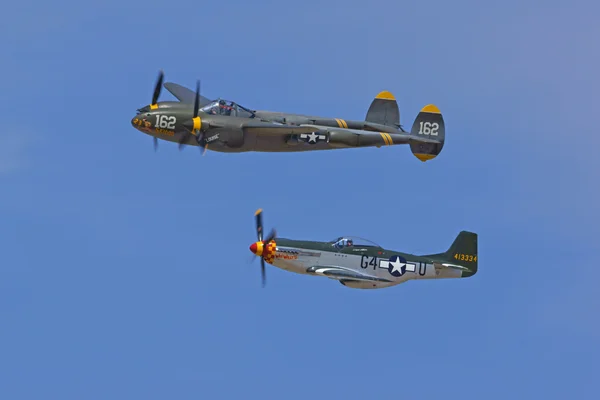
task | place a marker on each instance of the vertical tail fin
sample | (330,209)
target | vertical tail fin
(429,125)
(384,110)
(463,252)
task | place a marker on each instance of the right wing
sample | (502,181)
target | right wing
(265,128)
(368,137)
(276,129)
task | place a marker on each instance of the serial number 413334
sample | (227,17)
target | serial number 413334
(465,257)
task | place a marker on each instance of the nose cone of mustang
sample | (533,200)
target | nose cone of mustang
(253,248)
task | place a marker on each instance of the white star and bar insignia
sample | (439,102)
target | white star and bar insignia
(312,137)
(397,266)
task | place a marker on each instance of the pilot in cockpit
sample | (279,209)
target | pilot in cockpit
(224,109)
(220,108)
(344,243)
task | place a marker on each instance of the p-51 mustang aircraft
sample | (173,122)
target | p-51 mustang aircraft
(228,127)
(364,265)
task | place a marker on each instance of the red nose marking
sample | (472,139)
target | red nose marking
(253,248)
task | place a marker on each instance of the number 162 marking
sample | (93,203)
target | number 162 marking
(429,128)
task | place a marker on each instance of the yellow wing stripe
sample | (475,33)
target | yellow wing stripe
(386,138)
(341,123)
(389,138)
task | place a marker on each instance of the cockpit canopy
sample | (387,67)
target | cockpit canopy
(352,241)
(226,107)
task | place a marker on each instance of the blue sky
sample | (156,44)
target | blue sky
(125,273)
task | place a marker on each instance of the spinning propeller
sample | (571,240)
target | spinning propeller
(193,126)
(154,105)
(260,248)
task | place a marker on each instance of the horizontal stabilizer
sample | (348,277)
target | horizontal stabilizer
(455,267)
(384,110)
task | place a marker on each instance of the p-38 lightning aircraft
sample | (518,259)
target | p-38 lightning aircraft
(364,265)
(229,127)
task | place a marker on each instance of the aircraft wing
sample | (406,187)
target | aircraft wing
(275,129)
(184,94)
(397,138)
(339,273)
(351,135)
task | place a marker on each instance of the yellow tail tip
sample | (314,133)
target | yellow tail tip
(385,95)
(431,108)
(424,157)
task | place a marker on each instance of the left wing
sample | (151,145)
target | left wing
(351,137)
(184,94)
(339,273)
(366,137)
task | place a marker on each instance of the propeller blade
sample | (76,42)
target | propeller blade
(259,227)
(259,234)
(271,236)
(158,86)
(155,143)
(182,140)
(197,100)
(189,125)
